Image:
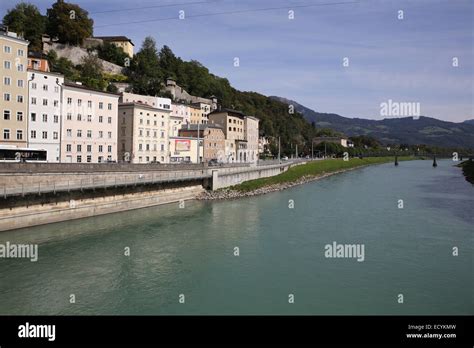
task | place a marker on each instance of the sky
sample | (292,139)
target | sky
(403,60)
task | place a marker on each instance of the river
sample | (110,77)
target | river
(191,251)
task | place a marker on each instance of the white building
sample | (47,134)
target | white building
(44,112)
(251,135)
(89,125)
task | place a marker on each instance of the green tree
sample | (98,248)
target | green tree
(144,72)
(69,23)
(90,71)
(113,54)
(62,65)
(26,20)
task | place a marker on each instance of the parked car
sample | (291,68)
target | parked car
(284,158)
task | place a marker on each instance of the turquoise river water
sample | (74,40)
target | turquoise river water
(191,251)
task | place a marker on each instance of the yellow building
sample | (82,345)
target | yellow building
(122,42)
(14,89)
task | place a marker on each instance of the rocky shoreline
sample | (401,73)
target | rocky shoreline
(229,193)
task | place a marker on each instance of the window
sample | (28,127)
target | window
(33,85)
(109,106)
(89,158)
(7,49)
(56,89)
(56,103)
(19,115)
(162,147)
(56,119)
(6,134)
(162,134)
(69,101)
(89,148)
(141,121)
(55,135)
(45,87)
(6,81)
(89,103)
(79,117)
(89,134)
(45,135)
(45,118)
(6,96)
(101,134)
(101,118)
(79,158)
(33,101)
(109,135)
(21,53)
(19,98)
(89,118)
(20,83)
(68,147)
(147,147)
(6,114)
(20,67)
(69,116)
(69,132)
(101,105)
(19,135)
(140,147)
(45,102)
(79,148)
(7,64)
(79,133)
(100,148)
(109,120)
(109,148)
(33,134)
(79,102)
(33,117)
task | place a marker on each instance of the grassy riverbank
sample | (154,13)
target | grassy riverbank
(312,169)
(468,170)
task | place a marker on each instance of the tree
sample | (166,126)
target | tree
(112,53)
(69,23)
(144,72)
(27,21)
(62,65)
(91,72)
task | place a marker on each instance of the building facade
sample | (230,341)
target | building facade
(213,140)
(14,91)
(185,149)
(89,125)
(252,136)
(241,135)
(143,133)
(44,112)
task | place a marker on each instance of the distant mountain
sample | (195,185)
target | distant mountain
(406,130)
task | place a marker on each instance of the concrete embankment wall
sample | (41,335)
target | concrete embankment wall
(233,176)
(28,198)
(33,211)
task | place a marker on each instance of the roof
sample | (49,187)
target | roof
(230,112)
(114,38)
(75,85)
(194,127)
(141,105)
